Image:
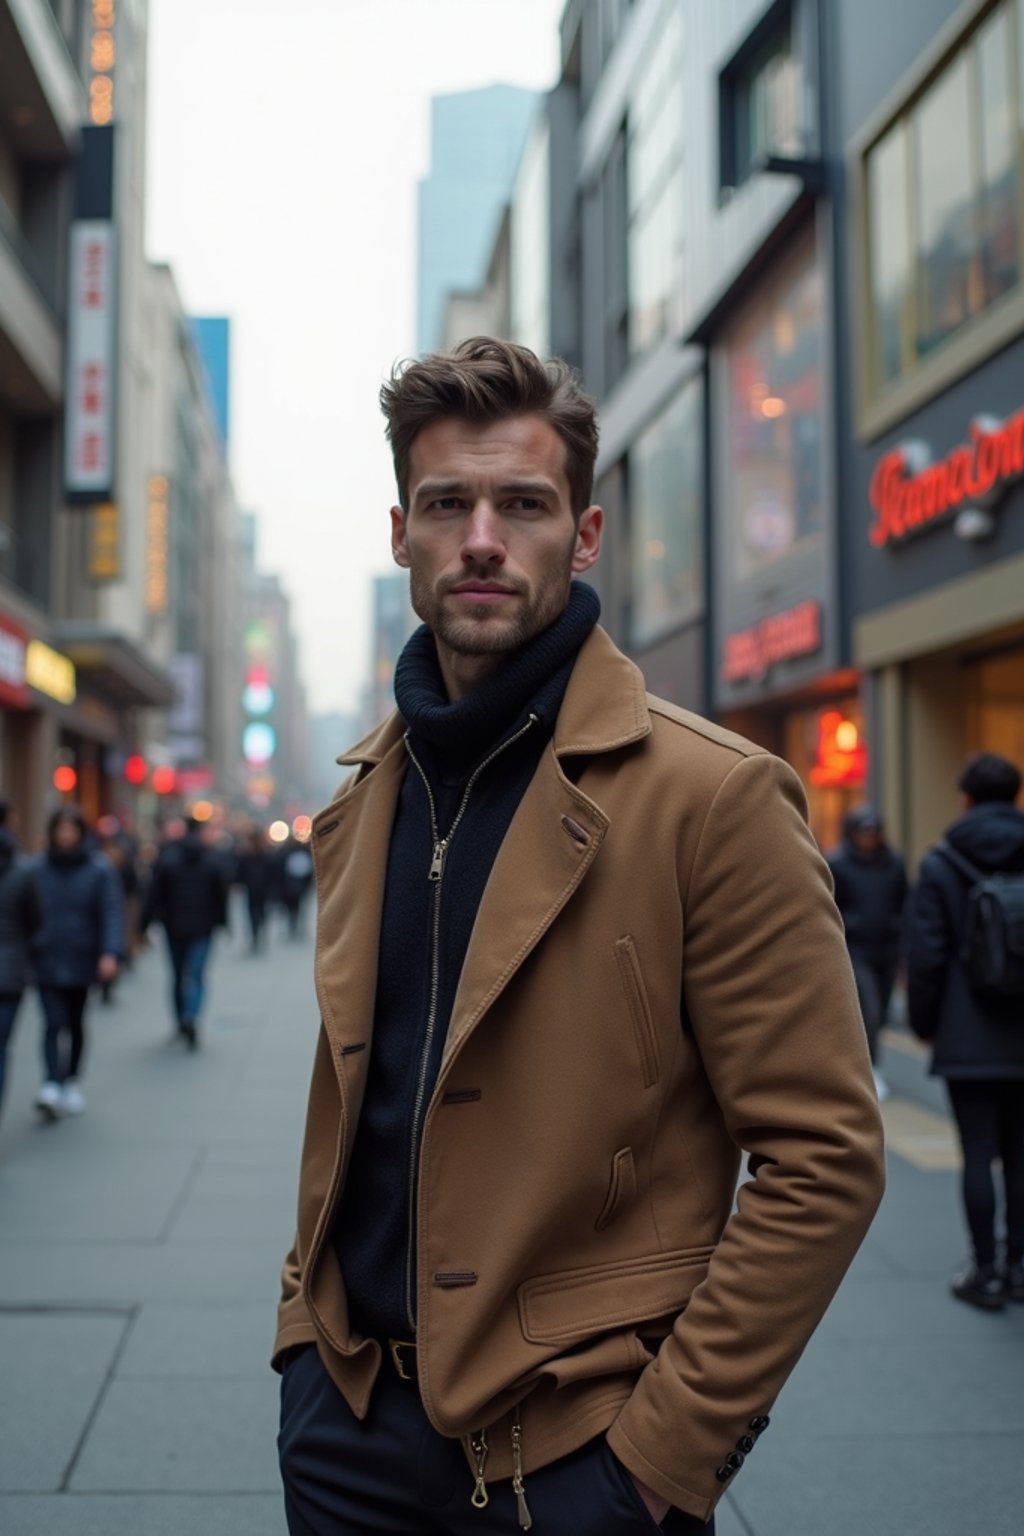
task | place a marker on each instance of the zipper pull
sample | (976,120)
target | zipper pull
(522,1508)
(478,1443)
(437,862)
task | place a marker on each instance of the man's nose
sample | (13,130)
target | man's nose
(484,534)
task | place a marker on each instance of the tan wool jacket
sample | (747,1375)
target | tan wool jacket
(656,984)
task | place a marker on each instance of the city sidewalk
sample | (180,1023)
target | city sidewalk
(139,1256)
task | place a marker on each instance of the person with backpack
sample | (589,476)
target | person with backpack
(965,996)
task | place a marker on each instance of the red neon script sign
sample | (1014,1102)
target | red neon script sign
(750,653)
(908,493)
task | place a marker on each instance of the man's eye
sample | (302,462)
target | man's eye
(446,504)
(526,504)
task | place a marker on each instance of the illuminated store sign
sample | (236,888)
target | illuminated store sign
(751,653)
(89,413)
(47,671)
(156,545)
(102,58)
(105,542)
(13,642)
(910,494)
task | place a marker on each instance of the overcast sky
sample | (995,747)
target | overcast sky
(285,144)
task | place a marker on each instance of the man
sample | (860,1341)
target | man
(188,894)
(871,893)
(976,1036)
(575,949)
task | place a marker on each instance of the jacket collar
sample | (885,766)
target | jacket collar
(605,707)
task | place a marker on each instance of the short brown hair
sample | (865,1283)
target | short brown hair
(484,380)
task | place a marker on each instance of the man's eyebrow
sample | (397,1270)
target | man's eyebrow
(429,490)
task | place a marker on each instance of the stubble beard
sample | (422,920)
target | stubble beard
(484,634)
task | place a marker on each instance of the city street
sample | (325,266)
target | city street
(138,1274)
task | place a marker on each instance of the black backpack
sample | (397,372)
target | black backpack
(992,942)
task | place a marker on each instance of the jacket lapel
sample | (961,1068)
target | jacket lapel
(555,835)
(350,855)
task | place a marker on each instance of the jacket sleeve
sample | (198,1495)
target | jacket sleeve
(111,908)
(30,906)
(770,997)
(930,945)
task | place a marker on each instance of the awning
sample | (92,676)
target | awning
(114,667)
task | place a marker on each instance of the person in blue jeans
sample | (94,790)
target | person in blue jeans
(20,916)
(80,941)
(188,895)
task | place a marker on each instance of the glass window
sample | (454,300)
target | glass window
(997,213)
(945,212)
(665,503)
(774,472)
(654,179)
(943,199)
(890,251)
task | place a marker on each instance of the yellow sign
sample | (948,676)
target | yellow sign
(105,542)
(47,671)
(156,545)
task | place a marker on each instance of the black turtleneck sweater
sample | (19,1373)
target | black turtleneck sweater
(450,747)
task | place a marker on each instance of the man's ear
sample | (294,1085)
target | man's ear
(399,547)
(588,539)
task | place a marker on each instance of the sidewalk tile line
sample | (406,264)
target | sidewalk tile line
(91,1416)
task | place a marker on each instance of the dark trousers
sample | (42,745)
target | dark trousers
(990,1119)
(392,1472)
(257,917)
(9,1002)
(63,1030)
(875,976)
(188,969)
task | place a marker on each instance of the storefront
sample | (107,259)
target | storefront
(934,537)
(776,657)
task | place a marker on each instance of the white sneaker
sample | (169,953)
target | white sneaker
(50,1100)
(881,1086)
(72,1098)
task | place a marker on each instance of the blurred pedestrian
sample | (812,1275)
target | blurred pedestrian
(188,895)
(871,894)
(78,942)
(296,877)
(116,846)
(20,916)
(976,1032)
(575,949)
(255,873)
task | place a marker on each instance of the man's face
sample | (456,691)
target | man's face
(489,539)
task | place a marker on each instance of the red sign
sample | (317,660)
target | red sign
(782,636)
(841,759)
(909,493)
(13,646)
(194,781)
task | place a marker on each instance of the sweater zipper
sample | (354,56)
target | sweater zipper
(435,875)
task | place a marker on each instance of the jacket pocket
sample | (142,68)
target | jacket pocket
(572,1304)
(639,1008)
(621,1189)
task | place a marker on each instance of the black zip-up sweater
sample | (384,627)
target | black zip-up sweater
(512,714)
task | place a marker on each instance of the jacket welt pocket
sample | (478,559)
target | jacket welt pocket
(639,1007)
(621,1189)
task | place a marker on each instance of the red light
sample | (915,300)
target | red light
(64,780)
(841,760)
(135,769)
(164,778)
(257,674)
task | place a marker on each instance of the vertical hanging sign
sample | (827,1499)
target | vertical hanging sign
(89,420)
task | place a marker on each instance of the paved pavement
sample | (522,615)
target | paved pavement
(139,1256)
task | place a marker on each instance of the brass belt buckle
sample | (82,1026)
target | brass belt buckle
(395,1346)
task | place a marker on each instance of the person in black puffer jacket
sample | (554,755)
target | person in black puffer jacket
(188,894)
(977,1041)
(20,916)
(80,940)
(871,894)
